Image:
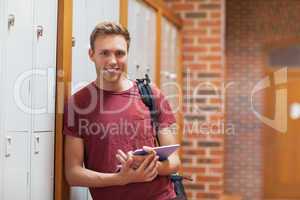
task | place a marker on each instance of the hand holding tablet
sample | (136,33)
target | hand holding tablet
(163,151)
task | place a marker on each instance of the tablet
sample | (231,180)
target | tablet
(163,151)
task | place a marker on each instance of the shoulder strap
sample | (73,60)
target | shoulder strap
(148,99)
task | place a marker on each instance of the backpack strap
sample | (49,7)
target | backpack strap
(148,99)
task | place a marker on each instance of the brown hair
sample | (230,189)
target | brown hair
(109,28)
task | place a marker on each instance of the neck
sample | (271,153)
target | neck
(121,85)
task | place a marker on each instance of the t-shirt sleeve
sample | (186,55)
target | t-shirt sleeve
(70,119)
(166,116)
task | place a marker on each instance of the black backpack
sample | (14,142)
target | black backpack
(148,99)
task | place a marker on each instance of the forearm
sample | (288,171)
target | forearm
(79,176)
(169,166)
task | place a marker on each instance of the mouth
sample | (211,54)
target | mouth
(112,69)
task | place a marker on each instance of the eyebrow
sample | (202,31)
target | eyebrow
(112,50)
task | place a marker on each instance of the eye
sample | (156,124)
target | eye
(120,53)
(104,53)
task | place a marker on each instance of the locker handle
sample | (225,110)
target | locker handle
(11,21)
(39,31)
(73,41)
(37,144)
(8,146)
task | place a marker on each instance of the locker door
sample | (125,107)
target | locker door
(42,166)
(18,62)
(83,71)
(15,166)
(150,41)
(45,31)
(142,27)
(133,16)
(79,193)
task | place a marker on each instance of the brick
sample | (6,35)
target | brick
(208,179)
(215,187)
(194,152)
(195,32)
(195,117)
(197,15)
(186,160)
(207,195)
(183,6)
(188,40)
(208,144)
(215,49)
(211,40)
(197,66)
(194,186)
(214,6)
(209,161)
(216,152)
(196,0)
(215,101)
(208,75)
(209,58)
(215,32)
(215,14)
(194,49)
(209,23)
(186,143)
(194,169)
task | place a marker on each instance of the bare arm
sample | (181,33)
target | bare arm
(168,136)
(77,175)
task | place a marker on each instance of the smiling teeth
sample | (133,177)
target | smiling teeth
(112,69)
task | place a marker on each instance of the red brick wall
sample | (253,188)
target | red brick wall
(204,72)
(250,24)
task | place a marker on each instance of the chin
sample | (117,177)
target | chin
(113,79)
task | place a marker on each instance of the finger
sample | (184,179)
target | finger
(149,149)
(139,158)
(152,166)
(128,163)
(152,176)
(129,154)
(146,162)
(120,159)
(122,154)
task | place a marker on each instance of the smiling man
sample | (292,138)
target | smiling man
(116,122)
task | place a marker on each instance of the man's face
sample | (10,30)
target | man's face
(110,57)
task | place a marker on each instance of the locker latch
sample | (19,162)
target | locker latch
(73,41)
(39,31)
(11,21)
(8,146)
(37,144)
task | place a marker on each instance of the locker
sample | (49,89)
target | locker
(43,97)
(2,5)
(142,27)
(42,162)
(16,163)
(82,69)
(18,59)
(86,15)
(27,66)
(169,56)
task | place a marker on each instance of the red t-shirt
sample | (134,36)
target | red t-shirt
(108,121)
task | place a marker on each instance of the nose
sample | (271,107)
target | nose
(112,60)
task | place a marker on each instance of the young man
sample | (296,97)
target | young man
(106,120)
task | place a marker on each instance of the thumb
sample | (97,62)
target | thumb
(149,149)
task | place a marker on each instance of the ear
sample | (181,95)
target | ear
(91,54)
